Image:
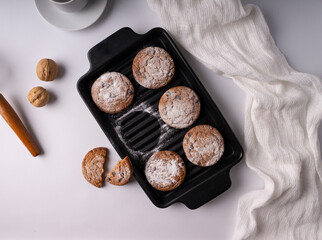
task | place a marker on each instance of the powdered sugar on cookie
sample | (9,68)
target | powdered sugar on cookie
(153,67)
(179,107)
(165,170)
(112,92)
(203,145)
(164,173)
(113,88)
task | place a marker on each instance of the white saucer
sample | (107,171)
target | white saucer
(71,21)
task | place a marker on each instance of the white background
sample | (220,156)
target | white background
(47,197)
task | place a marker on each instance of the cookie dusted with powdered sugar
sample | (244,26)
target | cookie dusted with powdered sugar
(93,166)
(153,67)
(165,170)
(112,92)
(203,145)
(179,107)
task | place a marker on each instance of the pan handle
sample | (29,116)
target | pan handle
(111,46)
(207,190)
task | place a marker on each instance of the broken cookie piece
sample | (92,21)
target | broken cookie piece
(93,166)
(121,173)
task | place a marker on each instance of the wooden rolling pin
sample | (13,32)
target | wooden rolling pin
(17,126)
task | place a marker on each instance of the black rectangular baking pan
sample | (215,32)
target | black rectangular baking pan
(138,131)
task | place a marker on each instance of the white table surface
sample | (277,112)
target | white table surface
(47,197)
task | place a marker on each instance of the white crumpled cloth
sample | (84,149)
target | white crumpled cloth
(283,111)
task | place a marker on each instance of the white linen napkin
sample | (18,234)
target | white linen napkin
(283,111)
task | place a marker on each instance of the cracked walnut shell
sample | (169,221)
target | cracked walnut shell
(38,96)
(47,69)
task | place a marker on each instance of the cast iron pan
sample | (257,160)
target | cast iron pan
(138,131)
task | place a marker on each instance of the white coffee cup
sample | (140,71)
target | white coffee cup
(69,5)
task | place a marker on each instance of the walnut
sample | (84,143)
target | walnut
(47,69)
(38,96)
